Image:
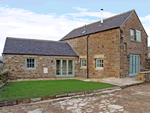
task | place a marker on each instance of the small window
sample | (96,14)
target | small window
(83,62)
(30,63)
(138,36)
(125,46)
(132,34)
(99,63)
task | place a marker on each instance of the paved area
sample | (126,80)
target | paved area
(117,81)
(135,99)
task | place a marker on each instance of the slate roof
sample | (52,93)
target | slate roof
(109,23)
(37,47)
(1,61)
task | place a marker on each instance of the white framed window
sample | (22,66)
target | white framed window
(125,46)
(138,36)
(132,34)
(30,63)
(83,62)
(99,63)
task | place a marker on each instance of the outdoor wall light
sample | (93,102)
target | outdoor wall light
(128,56)
(51,61)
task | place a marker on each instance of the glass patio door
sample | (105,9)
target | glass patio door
(134,66)
(64,68)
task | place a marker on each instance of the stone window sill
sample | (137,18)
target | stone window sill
(135,41)
(99,68)
(82,67)
(30,69)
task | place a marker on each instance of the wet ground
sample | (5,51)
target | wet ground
(135,99)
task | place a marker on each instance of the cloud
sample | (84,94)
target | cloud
(80,9)
(146,24)
(27,24)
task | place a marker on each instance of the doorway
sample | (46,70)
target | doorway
(134,67)
(64,68)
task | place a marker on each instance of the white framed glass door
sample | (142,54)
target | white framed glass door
(64,68)
(134,65)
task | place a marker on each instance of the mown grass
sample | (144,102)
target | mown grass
(34,89)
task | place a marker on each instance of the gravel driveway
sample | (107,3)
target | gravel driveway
(135,99)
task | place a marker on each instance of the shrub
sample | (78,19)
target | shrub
(3,77)
(1,82)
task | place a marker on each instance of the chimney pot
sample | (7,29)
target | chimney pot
(101,16)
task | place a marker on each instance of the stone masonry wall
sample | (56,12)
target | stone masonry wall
(15,65)
(133,47)
(105,44)
(80,46)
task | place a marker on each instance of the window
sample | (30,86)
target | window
(99,63)
(83,62)
(30,63)
(138,36)
(132,34)
(125,46)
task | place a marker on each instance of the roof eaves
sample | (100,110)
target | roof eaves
(39,54)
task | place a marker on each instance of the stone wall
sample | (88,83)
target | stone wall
(133,47)
(107,44)
(15,65)
(147,64)
(144,76)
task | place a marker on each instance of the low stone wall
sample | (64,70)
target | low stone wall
(3,77)
(82,93)
(144,76)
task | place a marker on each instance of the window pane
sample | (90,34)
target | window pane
(124,46)
(98,65)
(138,36)
(83,62)
(30,63)
(32,60)
(102,61)
(99,62)
(132,34)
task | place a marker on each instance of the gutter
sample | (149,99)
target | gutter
(87,57)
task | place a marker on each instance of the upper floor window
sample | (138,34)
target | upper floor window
(30,63)
(138,36)
(125,46)
(132,34)
(99,63)
(83,62)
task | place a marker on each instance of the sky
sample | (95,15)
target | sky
(53,19)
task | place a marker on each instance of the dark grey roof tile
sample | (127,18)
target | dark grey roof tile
(109,23)
(37,47)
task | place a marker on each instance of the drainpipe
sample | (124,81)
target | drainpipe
(87,57)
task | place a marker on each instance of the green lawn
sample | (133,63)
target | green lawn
(33,89)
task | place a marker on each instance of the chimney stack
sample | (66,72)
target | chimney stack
(101,16)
